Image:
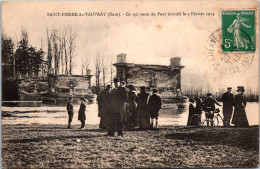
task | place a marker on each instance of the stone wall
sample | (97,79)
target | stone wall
(65,86)
(166,81)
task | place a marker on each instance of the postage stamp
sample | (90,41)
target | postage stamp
(238,31)
(226,62)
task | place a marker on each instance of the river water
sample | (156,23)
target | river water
(46,114)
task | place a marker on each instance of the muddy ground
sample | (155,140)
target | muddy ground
(54,146)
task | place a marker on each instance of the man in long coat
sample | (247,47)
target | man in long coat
(82,114)
(122,98)
(116,114)
(228,103)
(103,106)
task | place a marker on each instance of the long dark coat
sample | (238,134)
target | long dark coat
(103,103)
(142,109)
(192,111)
(82,114)
(154,104)
(118,98)
(132,102)
(198,107)
(70,108)
(239,117)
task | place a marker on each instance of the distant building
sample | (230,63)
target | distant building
(74,85)
(55,86)
(166,78)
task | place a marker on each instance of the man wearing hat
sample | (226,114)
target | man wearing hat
(228,103)
(118,98)
(154,105)
(113,109)
(103,106)
(82,114)
(209,107)
(122,100)
(70,111)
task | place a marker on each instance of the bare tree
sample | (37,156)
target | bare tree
(98,69)
(85,64)
(49,53)
(62,41)
(112,71)
(56,51)
(71,45)
(104,71)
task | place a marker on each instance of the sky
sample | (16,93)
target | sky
(145,39)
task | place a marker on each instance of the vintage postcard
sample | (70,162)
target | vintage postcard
(130,84)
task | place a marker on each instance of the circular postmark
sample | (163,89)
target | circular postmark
(226,62)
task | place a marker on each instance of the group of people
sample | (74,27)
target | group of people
(120,107)
(81,114)
(207,104)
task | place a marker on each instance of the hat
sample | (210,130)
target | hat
(82,99)
(108,86)
(116,80)
(191,100)
(142,88)
(131,87)
(209,94)
(122,82)
(70,98)
(155,90)
(229,88)
(240,88)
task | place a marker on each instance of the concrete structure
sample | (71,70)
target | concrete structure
(166,78)
(74,85)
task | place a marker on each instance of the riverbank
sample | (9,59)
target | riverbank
(54,146)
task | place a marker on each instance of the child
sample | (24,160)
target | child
(154,105)
(70,111)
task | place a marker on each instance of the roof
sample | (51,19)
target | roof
(146,66)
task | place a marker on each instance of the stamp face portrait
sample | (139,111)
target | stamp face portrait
(238,31)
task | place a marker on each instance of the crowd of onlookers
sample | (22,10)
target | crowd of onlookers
(121,107)
(230,102)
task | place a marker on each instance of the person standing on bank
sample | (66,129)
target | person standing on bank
(82,114)
(192,111)
(154,104)
(142,109)
(239,117)
(113,110)
(70,111)
(122,97)
(209,106)
(132,107)
(103,106)
(198,107)
(228,103)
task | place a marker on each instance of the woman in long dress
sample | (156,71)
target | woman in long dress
(192,111)
(142,109)
(239,117)
(235,28)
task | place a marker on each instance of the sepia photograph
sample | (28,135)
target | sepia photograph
(130,84)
